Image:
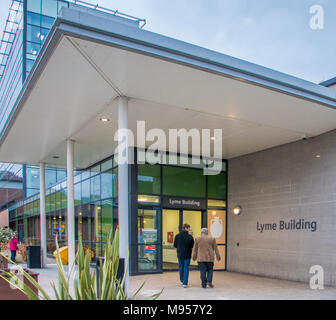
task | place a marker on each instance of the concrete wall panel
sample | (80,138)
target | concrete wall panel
(284,183)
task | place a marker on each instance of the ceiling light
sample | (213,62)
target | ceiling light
(34,52)
(142,200)
(213,138)
(318,156)
(104,119)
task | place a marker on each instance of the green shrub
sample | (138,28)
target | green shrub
(6,235)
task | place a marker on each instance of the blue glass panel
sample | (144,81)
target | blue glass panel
(33,178)
(86,191)
(95,188)
(61,174)
(34,6)
(44,33)
(106,184)
(50,177)
(47,22)
(49,8)
(33,18)
(32,50)
(33,33)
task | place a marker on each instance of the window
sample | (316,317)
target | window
(58,200)
(216,203)
(34,18)
(34,6)
(33,33)
(149,179)
(33,178)
(106,165)
(95,170)
(86,191)
(61,174)
(146,199)
(106,218)
(64,198)
(115,182)
(47,22)
(77,193)
(217,186)
(49,8)
(106,184)
(148,240)
(32,50)
(50,175)
(95,188)
(183,182)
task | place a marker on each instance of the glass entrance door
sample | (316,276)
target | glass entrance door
(172,222)
(194,219)
(170,228)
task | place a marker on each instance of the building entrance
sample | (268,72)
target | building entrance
(172,222)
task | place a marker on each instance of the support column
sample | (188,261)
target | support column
(43,228)
(70,204)
(123,186)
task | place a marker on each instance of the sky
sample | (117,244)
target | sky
(273,33)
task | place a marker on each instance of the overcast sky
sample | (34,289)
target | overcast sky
(272,33)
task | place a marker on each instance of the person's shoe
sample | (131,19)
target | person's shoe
(204,286)
(210,285)
(185,286)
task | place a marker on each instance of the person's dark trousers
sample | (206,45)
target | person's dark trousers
(184,270)
(13,255)
(206,270)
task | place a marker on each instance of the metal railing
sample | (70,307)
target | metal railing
(15,15)
(142,22)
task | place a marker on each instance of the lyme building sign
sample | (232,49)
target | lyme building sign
(293,224)
(183,203)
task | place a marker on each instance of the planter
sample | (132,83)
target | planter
(9,293)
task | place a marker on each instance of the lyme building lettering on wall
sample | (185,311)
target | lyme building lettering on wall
(292,225)
(183,203)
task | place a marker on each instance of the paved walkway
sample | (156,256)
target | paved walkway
(228,286)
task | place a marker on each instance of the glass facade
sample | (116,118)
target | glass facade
(167,197)
(40,16)
(153,221)
(96,210)
(28,26)
(12,62)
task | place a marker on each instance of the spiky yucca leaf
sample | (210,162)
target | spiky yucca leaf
(84,282)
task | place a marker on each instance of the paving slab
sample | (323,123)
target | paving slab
(228,286)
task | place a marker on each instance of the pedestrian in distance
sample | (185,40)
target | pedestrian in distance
(204,252)
(13,247)
(184,243)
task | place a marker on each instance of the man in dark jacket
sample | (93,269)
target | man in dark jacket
(184,243)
